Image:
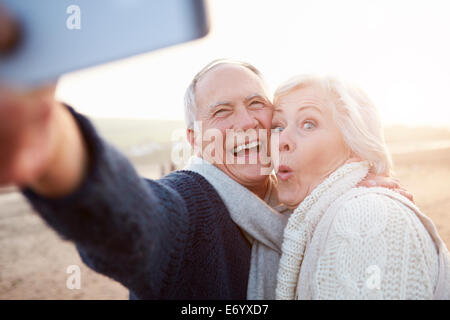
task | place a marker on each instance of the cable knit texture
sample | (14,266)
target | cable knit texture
(171,238)
(344,242)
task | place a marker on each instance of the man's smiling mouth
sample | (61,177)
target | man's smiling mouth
(246,148)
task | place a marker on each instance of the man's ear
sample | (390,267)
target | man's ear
(190,135)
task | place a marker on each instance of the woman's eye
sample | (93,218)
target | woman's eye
(308,125)
(277,128)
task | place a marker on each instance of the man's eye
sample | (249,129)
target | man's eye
(220,112)
(308,125)
(257,104)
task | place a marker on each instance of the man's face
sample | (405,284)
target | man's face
(232,101)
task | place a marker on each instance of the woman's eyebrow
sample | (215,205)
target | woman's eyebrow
(280,109)
(309,107)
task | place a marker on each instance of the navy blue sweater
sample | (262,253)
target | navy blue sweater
(171,238)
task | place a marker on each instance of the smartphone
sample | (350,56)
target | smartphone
(59,36)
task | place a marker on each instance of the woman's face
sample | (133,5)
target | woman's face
(310,143)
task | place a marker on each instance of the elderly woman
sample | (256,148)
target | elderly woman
(343,241)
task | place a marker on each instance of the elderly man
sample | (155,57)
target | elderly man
(172,238)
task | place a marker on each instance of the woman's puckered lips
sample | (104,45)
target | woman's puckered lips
(284,172)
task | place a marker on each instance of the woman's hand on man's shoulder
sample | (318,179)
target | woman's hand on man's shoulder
(374,180)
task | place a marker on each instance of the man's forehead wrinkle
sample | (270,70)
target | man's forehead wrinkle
(256,95)
(240,98)
(217,86)
(224,71)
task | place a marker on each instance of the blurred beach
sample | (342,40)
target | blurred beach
(34,259)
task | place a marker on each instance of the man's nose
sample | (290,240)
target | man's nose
(244,120)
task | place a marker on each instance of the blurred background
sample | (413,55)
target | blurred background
(397,51)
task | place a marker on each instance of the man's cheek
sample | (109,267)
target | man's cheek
(212,141)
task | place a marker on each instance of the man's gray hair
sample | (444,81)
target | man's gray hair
(355,114)
(190,105)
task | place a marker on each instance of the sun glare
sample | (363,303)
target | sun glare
(397,51)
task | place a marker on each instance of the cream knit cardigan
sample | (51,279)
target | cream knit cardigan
(344,242)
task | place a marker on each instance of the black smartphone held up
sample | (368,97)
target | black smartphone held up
(59,36)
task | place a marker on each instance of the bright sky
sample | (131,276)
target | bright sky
(397,51)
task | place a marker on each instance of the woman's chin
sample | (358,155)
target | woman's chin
(289,201)
(290,195)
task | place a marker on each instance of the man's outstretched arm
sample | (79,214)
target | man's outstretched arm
(126,227)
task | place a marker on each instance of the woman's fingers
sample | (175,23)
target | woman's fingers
(373,180)
(405,193)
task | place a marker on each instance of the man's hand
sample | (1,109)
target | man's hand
(40,144)
(26,139)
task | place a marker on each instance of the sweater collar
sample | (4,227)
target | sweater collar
(256,218)
(305,218)
(339,182)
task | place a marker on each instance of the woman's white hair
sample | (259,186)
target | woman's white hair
(355,114)
(190,105)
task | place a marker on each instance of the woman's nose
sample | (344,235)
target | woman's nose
(286,143)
